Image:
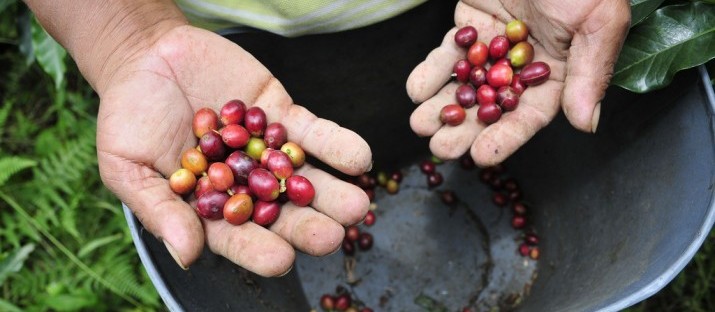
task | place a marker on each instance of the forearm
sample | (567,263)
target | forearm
(102,35)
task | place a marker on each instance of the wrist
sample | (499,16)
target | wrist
(102,36)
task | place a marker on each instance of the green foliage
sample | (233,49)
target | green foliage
(12,165)
(64,242)
(640,9)
(673,38)
(49,53)
(14,261)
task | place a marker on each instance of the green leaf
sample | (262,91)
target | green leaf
(97,243)
(14,262)
(11,165)
(8,307)
(70,302)
(49,54)
(674,38)
(640,9)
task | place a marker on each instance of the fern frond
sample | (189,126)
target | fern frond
(11,165)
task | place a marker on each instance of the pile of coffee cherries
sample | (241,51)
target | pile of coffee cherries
(244,166)
(495,87)
(507,191)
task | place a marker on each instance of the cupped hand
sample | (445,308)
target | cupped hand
(580,40)
(144,124)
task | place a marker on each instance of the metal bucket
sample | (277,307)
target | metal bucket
(619,213)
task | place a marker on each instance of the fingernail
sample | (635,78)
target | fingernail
(596,116)
(286,272)
(175,255)
(372,162)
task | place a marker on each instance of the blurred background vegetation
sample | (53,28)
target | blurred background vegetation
(64,242)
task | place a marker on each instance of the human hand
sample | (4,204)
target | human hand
(145,123)
(580,40)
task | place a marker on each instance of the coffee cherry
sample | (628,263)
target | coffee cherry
(365,241)
(265,213)
(498,47)
(203,185)
(486,95)
(255,147)
(352,233)
(263,184)
(517,85)
(299,190)
(478,53)
(327,302)
(238,209)
(500,75)
(466,36)
(348,247)
(275,135)
(234,136)
(518,222)
(255,121)
(516,31)
(212,146)
(427,167)
(295,152)
(535,73)
(221,176)
(241,165)
(478,76)
(205,120)
(194,161)
(466,95)
(521,54)
(182,181)
(232,112)
(280,165)
(452,114)
(507,98)
(210,205)
(369,218)
(461,70)
(489,113)
(434,179)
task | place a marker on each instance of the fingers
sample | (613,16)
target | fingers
(430,75)
(344,202)
(308,230)
(593,53)
(450,142)
(160,211)
(537,107)
(251,246)
(424,121)
(336,146)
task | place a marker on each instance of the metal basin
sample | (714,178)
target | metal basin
(619,213)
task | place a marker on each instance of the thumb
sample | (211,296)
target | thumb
(158,208)
(592,55)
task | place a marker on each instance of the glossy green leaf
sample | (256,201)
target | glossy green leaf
(640,9)
(674,38)
(50,54)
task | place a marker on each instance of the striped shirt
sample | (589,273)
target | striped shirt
(292,18)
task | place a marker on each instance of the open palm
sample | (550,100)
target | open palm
(580,40)
(144,125)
